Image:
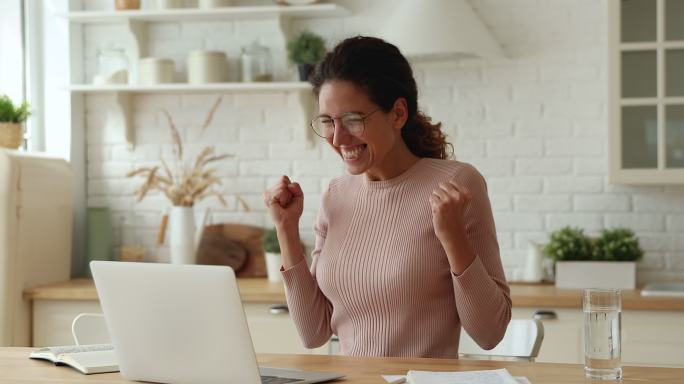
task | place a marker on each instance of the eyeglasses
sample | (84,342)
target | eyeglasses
(354,123)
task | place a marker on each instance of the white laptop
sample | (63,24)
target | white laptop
(182,324)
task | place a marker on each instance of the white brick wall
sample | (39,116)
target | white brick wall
(534,124)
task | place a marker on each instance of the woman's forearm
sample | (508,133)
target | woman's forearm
(459,252)
(291,248)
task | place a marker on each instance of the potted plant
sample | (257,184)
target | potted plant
(12,118)
(306,50)
(604,262)
(272,249)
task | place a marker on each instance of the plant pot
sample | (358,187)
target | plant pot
(304,71)
(596,274)
(11,135)
(273,264)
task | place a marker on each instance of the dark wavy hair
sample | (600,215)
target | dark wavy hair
(383,73)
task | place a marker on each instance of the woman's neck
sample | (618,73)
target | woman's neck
(395,163)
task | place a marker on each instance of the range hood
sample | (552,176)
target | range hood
(439,29)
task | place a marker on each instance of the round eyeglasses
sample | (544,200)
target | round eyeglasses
(354,123)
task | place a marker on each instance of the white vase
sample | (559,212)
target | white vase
(182,235)
(534,271)
(273,264)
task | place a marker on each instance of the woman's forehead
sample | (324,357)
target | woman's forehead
(337,97)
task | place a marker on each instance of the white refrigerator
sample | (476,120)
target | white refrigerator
(35,235)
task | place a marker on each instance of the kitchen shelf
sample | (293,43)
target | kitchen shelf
(123,95)
(190,88)
(196,14)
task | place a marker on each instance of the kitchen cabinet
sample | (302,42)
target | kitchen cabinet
(270,325)
(646,92)
(653,338)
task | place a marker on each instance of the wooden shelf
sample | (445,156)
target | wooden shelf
(192,88)
(196,14)
(123,93)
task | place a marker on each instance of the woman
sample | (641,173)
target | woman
(406,250)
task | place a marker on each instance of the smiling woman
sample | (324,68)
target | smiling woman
(406,250)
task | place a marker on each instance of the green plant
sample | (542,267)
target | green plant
(11,113)
(619,244)
(568,244)
(270,241)
(306,48)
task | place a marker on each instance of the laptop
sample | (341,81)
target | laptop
(182,324)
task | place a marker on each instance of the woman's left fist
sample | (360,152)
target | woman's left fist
(448,202)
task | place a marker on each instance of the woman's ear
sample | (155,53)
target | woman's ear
(399,113)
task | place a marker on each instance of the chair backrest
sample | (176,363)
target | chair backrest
(522,341)
(90,328)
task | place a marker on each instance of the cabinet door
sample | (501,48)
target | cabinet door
(646,70)
(52,320)
(653,338)
(273,331)
(562,335)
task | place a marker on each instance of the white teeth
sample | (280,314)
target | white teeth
(352,154)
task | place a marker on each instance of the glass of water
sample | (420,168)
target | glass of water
(602,327)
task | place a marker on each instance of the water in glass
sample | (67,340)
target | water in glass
(602,327)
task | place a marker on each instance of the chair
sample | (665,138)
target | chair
(90,328)
(522,341)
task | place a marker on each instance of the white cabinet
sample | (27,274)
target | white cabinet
(273,330)
(646,98)
(52,320)
(270,325)
(562,333)
(653,338)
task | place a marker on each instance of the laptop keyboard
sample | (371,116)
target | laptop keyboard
(277,380)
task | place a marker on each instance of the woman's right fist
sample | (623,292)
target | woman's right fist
(285,202)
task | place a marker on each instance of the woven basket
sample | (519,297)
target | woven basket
(11,135)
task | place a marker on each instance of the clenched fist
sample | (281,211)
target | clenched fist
(448,202)
(285,203)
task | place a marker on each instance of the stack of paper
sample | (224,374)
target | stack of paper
(498,376)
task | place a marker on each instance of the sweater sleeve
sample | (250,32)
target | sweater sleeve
(482,294)
(309,308)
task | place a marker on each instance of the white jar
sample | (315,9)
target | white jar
(154,70)
(209,4)
(169,4)
(207,67)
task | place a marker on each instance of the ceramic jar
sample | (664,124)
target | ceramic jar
(154,70)
(122,5)
(209,4)
(169,4)
(207,67)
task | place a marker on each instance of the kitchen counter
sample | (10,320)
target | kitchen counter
(260,290)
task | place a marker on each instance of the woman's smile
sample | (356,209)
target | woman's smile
(352,153)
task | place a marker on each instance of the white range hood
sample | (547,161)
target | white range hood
(439,29)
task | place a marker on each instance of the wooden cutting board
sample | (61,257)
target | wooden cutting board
(235,245)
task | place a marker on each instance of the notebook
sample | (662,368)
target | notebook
(87,359)
(183,324)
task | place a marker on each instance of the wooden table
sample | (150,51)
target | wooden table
(16,367)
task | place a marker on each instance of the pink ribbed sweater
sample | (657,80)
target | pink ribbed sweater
(380,279)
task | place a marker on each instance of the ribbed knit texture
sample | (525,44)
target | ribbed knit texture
(380,279)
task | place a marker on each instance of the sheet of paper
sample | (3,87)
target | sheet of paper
(399,379)
(394,379)
(496,376)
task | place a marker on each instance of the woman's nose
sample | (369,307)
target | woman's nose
(340,134)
